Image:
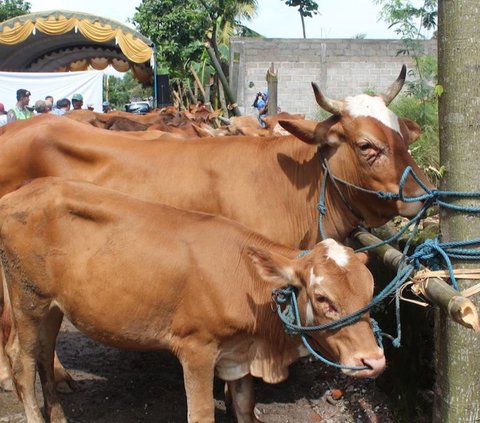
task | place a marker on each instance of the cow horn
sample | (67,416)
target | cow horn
(395,88)
(335,107)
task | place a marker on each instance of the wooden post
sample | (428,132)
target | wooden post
(207,103)
(272,84)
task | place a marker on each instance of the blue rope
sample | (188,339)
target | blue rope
(432,250)
(287,310)
(431,253)
(431,197)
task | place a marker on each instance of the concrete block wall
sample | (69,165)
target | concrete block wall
(339,67)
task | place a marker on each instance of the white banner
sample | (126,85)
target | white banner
(57,84)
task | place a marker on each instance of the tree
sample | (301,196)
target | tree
(123,90)
(414,21)
(411,23)
(457,397)
(306,8)
(177,28)
(182,29)
(11,8)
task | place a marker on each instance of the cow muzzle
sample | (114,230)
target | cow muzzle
(375,362)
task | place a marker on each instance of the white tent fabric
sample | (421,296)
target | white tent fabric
(57,84)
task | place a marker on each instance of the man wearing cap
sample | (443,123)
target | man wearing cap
(20,111)
(77,101)
(3,115)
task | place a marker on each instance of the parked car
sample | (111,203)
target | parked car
(138,107)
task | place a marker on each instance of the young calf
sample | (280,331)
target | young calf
(144,276)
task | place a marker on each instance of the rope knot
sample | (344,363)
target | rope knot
(396,343)
(322,209)
(424,252)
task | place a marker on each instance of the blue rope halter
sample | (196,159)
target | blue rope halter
(429,252)
(285,300)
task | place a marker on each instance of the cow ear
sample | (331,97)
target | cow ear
(362,256)
(273,268)
(313,132)
(410,130)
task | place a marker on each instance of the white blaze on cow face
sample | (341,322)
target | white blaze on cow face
(366,105)
(314,280)
(336,252)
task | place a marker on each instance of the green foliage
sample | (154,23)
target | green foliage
(11,8)
(178,29)
(426,149)
(306,8)
(408,19)
(126,89)
(411,20)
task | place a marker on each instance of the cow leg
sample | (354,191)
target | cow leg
(63,380)
(47,339)
(198,379)
(20,350)
(242,396)
(6,382)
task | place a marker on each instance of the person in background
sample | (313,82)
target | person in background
(106,107)
(48,105)
(261,104)
(20,111)
(77,101)
(90,107)
(49,102)
(63,105)
(41,107)
(3,115)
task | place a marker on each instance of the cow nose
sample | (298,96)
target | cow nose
(376,365)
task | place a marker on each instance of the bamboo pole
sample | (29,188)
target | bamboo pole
(436,290)
(207,103)
(228,93)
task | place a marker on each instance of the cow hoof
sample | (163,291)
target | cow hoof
(6,385)
(67,386)
(256,415)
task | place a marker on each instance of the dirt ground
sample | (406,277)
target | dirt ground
(115,386)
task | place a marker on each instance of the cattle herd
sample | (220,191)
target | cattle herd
(172,229)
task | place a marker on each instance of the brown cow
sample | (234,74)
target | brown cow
(250,126)
(144,276)
(177,123)
(271,185)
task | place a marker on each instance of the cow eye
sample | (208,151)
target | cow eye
(364,146)
(369,151)
(327,306)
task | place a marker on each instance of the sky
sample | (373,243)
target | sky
(337,19)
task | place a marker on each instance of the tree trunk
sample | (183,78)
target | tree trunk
(303,26)
(228,92)
(457,393)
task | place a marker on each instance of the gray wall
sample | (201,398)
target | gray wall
(340,68)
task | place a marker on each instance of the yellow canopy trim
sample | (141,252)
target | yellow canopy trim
(133,48)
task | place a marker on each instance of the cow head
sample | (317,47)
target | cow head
(366,144)
(332,282)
